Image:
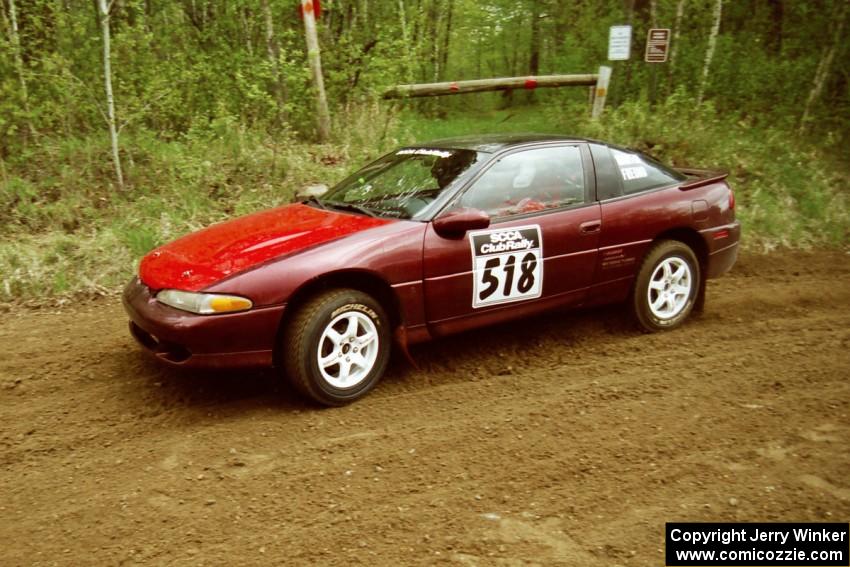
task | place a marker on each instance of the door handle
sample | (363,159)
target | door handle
(590,227)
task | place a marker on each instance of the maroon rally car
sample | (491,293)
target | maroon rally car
(430,240)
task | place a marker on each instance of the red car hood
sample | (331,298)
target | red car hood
(203,258)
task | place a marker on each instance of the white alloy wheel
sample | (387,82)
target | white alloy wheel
(348,349)
(669,288)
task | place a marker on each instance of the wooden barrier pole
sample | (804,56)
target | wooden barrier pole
(482,85)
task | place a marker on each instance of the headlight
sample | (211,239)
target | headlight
(203,303)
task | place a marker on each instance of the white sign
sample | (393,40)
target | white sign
(507,265)
(619,43)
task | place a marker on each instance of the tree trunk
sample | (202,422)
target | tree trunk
(823,70)
(19,65)
(435,38)
(677,32)
(273,53)
(405,38)
(653,69)
(622,88)
(447,38)
(244,15)
(709,52)
(774,40)
(364,10)
(419,38)
(323,117)
(103,10)
(534,47)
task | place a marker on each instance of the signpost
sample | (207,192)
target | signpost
(657,45)
(601,91)
(619,43)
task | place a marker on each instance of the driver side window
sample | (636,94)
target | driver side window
(529,181)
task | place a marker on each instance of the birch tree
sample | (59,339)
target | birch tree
(435,52)
(534,46)
(103,13)
(323,118)
(19,64)
(677,29)
(823,70)
(712,45)
(405,38)
(447,38)
(273,54)
(677,32)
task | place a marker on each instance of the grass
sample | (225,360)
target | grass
(67,230)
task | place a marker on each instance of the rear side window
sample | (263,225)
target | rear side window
(608,185)
(640,173)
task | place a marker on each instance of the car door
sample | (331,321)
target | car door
(539,251)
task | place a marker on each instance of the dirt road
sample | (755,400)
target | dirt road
(565,440)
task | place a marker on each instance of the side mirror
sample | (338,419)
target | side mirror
(310,191)
(455,223)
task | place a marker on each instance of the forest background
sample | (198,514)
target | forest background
(215,112)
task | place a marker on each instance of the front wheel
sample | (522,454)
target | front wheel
(667,286)
(336,347)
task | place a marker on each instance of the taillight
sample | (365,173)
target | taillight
(731,199)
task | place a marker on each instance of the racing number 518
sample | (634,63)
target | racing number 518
(523,284)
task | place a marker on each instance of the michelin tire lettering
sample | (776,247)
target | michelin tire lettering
(507,265)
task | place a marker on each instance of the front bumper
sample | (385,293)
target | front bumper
(179,338)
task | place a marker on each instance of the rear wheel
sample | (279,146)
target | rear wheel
(667,286)
(336,347)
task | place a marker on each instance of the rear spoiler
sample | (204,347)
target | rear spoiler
(700,177)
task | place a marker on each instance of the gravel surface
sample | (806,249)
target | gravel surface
(568,439)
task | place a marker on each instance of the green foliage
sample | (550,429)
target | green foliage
(216,110)
(789,192)
(76,235)
(183,65)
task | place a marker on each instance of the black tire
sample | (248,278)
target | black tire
(659,299)
(309,326)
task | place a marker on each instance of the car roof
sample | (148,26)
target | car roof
(495,142)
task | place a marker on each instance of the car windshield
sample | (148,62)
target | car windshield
(401,184)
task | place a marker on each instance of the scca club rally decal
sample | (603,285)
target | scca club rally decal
(507,265)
